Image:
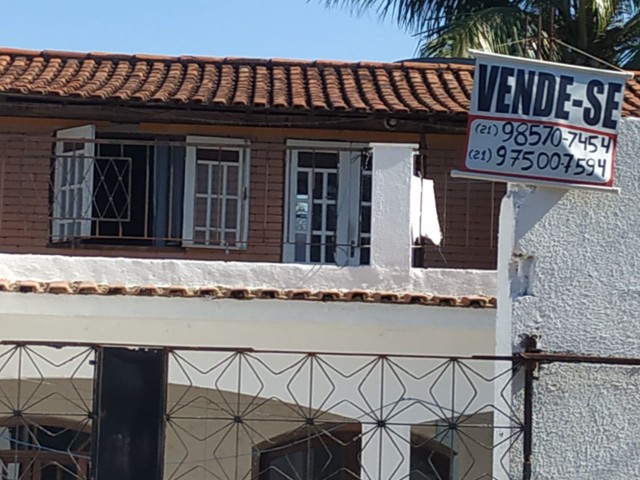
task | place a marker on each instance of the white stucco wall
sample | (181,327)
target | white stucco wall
(130,271)
(276,325)
(260,324)
(568,272)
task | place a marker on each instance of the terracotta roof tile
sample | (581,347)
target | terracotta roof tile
(316,90)
(225,86)
(243,293)
(242,95)
(208,85)
(406,88)
(334,89)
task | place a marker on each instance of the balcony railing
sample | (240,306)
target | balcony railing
(212,413)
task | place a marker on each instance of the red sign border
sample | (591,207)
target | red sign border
(614,138)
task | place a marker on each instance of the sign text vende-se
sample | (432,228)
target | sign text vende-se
(543,121)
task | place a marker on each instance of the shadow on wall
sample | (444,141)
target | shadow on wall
(206,439)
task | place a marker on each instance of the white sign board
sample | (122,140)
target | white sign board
(543,121)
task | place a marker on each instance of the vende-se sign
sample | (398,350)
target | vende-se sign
(544,122)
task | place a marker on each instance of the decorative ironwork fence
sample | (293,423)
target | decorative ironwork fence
(262,415)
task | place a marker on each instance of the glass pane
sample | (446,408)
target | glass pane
(233,177)
(202,178)
(316,217)
(199,237)
(73,166)
(301,248)
(201,212)
(365,251)
(218,155)
(365,219)
(315,248)
(62,201)
(318,191)
(214,213)
(303,183)
(71,199)
(329,250)
(332,186)
(292,465)
(78,213)
(215,179)
(230,237)
(312,159)
(302,214)
(231,214)
(332,218)
(366,188)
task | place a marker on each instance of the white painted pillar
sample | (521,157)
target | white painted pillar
(391,206)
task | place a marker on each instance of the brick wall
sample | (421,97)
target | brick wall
(468,209)
(24,211)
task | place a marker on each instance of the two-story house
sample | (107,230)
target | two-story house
(215,268)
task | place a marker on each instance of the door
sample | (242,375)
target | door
(73,183)
(324,206)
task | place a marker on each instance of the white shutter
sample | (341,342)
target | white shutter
(348,253)
(73,183)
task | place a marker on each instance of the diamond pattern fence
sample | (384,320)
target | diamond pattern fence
(271,415)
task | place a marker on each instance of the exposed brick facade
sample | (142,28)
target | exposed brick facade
(468,209)
(468,212)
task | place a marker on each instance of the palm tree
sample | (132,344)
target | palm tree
(584,32)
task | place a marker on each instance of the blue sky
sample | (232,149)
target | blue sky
(247,28)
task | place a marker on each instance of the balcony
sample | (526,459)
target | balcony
(286,206)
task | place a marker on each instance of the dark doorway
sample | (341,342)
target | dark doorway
(129,406)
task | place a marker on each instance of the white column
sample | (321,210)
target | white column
(391,206)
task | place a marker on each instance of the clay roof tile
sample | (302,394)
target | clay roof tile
(403,88)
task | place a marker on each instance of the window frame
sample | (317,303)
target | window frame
(347,230)
(35,458)
(242,146)
(83,135)
(292,442)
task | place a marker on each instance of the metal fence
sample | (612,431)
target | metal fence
(228,413)
(262,415)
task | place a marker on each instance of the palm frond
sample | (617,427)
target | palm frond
(506,30)
(554,29)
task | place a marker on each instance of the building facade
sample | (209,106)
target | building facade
(216,268)
(230,268)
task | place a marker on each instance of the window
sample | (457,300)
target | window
(333,451)
(43,451)
(216,192)
(328,452)
(149,191)
(328,216)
